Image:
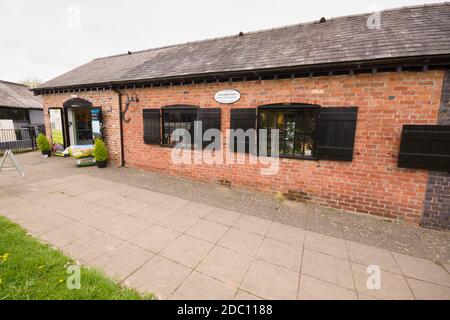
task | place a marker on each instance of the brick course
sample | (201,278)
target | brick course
(371,184)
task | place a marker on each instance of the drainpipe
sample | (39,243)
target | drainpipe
(122,152)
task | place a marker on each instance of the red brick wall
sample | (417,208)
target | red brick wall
(372,183)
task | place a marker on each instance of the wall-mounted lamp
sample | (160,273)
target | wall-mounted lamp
(134,98)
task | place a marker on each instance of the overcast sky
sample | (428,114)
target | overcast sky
(43,39)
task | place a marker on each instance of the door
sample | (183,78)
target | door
(83,126)
(56,127)
(71,126)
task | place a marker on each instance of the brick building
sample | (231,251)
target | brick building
(361,104)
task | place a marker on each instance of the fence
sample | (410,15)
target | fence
(18,140)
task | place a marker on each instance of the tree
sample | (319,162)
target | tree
(31,82)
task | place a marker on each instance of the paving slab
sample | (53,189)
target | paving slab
(369,255)
(91,247)
(222,216)
(326,244)
(283,283)
(160,276)
(423,269)
(126,227)
(120,262)
(46,224)
(208,231)
(315,289)
(96,195)
(196,209)
(226,265)
(179,222)
(327,268)
(200,287)
(187,250)
(286,233)
(130,206)
(65,235)
(281,253)
(155,238)
(428,291)
(241,241)
(103,218)
(393,286)
(252,224)
(242,295)
(152,213)
(171,203)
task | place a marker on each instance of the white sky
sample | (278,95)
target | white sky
(43,39)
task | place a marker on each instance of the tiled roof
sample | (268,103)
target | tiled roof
(15,95)
(405,32)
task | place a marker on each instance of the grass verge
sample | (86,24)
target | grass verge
(30,270)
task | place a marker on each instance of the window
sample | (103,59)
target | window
(14,114)
(178,118)
(296,125)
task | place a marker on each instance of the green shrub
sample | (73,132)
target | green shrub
(43,143)
(100,150)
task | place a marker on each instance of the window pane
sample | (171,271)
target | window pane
(309,145)
(296,129)
(178,119)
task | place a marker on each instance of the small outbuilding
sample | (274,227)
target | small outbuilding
(361,104)
(19,105)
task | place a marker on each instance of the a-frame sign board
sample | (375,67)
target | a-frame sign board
(9,154)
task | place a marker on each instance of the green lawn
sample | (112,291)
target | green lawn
(32,270)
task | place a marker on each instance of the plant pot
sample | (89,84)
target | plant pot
(100,164)
(47,153)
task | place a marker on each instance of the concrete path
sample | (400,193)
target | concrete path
(181,248)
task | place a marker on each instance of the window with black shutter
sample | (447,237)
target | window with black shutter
(184,118)
(336,133)
(152,131)
(425,147)
(296,125)
(210,119)
(178,118)
(243,119)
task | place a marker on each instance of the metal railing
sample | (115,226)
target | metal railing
(18,140)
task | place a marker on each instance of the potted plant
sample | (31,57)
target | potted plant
(44,145)
(100,153)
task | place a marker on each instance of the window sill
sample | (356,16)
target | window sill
(311,158)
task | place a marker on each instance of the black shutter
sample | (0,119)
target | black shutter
(336,133)
(244,119)
(210,118)
(425,147)
(152,126)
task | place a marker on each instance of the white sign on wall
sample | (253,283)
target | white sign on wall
(228,96)
(6,124)
(9,133)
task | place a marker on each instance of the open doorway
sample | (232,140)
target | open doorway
(83,122)
(80,126)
